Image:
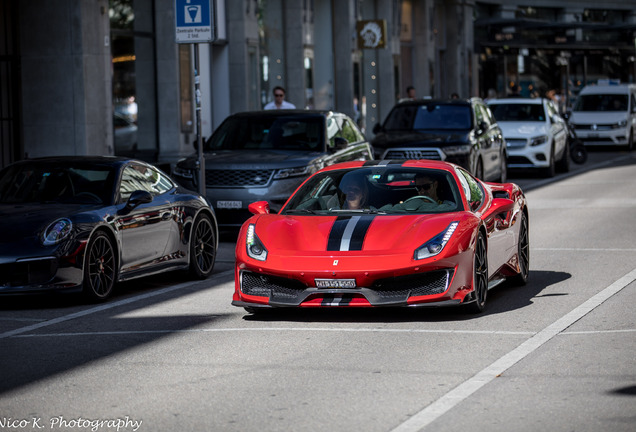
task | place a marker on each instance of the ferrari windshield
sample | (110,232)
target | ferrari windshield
(432,116)
(35,182)
(381,190)
(269,132)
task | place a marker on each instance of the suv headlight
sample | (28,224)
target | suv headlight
(621,124)
(254,246)
(292,172)
(435,245)
(539,140)
(183,172)
(457,150)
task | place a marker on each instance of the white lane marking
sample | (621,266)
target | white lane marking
(101,308)
(463,391)
(279,329)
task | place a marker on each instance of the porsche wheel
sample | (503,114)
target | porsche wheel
(523,252)
(480,276)
(202,248)
(99,268)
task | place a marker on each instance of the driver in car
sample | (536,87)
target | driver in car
(427,186)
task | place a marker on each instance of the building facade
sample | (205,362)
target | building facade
(106,77)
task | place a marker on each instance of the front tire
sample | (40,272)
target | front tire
(480,276)
(100,269)
(202,247)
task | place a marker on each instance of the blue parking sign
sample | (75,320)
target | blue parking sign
(193,19)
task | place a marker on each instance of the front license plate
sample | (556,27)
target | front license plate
(335,283)
(229,204)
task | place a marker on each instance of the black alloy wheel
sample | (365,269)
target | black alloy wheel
(99,268)
(550,171)
(480,276)
(479,170)
(523,252)
(202,247)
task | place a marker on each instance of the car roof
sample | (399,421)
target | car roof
(436,102)
(286,112)
(517,100)
(66,160)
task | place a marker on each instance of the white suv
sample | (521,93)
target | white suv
(536,135)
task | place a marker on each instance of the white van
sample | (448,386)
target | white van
(605,114)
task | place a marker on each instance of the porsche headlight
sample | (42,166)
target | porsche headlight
(539,140)
(255,248)
(56,232)
(435,245)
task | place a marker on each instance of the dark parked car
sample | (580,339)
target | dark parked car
(265,155)
(83,223)
(461,131)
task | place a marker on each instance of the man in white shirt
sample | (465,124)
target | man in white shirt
(279,101)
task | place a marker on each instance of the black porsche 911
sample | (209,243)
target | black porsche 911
(83,223)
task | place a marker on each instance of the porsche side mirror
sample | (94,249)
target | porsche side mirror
(259,207)
(136,198)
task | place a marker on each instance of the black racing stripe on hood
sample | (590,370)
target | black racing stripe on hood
(360,232)
(337,230)
(348,232)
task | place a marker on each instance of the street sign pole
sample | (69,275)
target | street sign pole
(197,94)
(193,24)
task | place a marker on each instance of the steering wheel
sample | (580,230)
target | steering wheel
(423,197)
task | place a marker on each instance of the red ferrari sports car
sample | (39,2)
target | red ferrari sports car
(384,233)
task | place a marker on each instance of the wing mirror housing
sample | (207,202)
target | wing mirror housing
(136,198)
(259,207)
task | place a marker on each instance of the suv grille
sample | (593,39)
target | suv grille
(238,177)
(413,153)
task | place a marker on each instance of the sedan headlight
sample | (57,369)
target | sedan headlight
(435,245)
(255,248)
(56,232)
(292,172)
(457,150)
(542,139)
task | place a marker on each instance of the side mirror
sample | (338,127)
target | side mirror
(259,207)
(195,143)
(483,126)
(136,198)
(500,206)
(377,128)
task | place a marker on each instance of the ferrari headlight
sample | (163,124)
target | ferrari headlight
(56,232)
(435,245)
(255,248)
(539,140)
(292,172)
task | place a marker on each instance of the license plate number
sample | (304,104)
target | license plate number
(335,283)
(229,204)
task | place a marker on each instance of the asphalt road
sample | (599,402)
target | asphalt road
(166,355)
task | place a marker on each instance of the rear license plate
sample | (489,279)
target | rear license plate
(335,283)
(229,204)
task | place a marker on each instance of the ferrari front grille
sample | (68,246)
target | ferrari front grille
(428,283)
(270,286)
(228,178)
